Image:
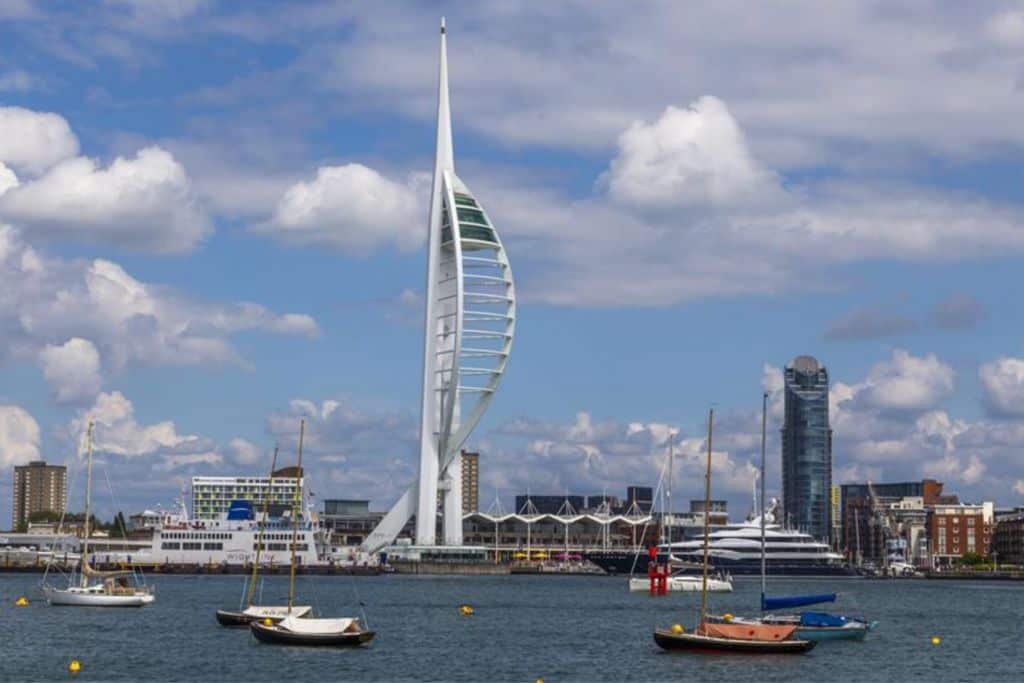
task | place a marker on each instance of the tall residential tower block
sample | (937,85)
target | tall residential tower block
(807,448)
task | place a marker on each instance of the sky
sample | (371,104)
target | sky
(213,215)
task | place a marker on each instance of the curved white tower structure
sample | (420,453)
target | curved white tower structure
(469,325)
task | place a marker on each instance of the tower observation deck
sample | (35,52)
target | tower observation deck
(470,323)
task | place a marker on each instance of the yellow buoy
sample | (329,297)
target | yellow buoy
(75,666)
(465,610)
(936,640)
(268,621)
(727,616)
(21,602)
(677,628)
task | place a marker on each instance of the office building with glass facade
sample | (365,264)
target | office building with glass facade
(807,449)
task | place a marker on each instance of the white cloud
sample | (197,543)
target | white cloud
(72,369)
(8,179)
(618,248)
(243,452)
(906,382)
(353,208)
(118,432)
(366,454)
(19,436)
(694,156)
(1003,382)
(33,141)
(145,202)
(128,321)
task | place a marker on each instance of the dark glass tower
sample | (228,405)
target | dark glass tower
(807,448)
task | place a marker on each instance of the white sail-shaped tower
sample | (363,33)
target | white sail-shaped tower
(469,326)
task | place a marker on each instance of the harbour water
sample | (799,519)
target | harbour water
(561,628)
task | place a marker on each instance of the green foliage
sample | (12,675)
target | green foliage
(972,559)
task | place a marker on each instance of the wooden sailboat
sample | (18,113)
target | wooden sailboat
(105,589)
(252,612)
(296,629)
(712,636)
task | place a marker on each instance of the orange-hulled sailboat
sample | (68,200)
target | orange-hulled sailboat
(723,636)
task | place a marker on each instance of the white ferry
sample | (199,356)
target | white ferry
(232,540)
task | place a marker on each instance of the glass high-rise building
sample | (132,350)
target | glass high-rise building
(807,448)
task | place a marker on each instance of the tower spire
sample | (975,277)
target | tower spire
(445,157)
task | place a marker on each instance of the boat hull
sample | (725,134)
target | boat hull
(234,618)
(274,635)
(626,562)
(66,598)
(823,633)
(667,640)
(681,585)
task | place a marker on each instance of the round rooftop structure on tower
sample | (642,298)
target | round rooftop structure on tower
(807,365)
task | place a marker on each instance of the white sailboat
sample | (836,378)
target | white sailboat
(678,581)
(94,588)
(253,612)
(295,628)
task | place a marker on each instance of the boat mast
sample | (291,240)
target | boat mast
(668,497)
(764,433)
(295,519)
(263,526)
(88,501)
(707,504)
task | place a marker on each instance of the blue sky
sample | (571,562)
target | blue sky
(212,220)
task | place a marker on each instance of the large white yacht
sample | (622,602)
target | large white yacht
(736,549)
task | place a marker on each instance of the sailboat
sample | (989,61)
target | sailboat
(677,581)
(711,635)
(295,628)
(106,589)
(252,612)
(814,626)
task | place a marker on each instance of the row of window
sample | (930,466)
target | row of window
(190,545)
(301,547)
(197,535)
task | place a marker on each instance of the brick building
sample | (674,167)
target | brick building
(957,529)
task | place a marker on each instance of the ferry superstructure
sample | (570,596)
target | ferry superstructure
(232,540)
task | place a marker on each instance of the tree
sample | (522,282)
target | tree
(972,559)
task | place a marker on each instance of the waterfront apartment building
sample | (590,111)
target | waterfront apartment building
(892,519)
(957,529)
(470,482)
(807,448)
(38,487)
(211,496)
(1008,537)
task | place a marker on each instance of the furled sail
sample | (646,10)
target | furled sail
(796,601)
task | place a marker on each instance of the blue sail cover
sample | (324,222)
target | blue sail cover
(796,601)
(821,619)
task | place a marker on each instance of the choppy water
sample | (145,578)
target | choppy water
(561,628)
